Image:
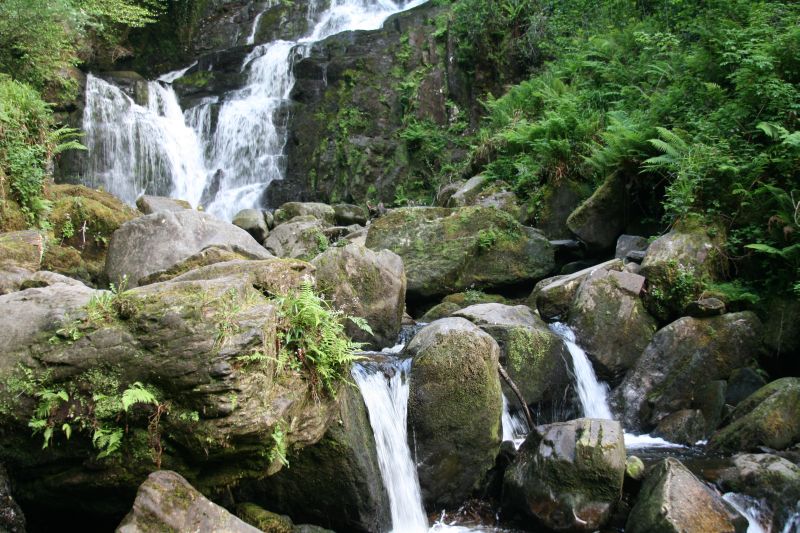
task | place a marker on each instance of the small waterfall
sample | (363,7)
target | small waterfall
(514,426)
(592,393)
(793,522)
(756,512)
(252,37)
(387,401)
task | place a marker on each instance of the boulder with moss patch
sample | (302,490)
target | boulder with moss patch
(21,249)
(600,219)
(681,358)
(322,212)
(769,417)
(454,408)
(450,250)
(673,500)
(552,297)
(302,237)
(569,475)
(155,204)
(366,284)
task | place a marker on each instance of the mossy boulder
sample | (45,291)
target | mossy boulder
(611,322)
(769,417)
(167,502)
(322,212)
(686,427)
(440,310)
(450,250)
(204,347)
(21,250)
(480,190)
(157,242)
(454,408)
(264,520)
(551,211)
(336,482)
(302,237)
(349,214)
(154,204)
(535,358)
(766,477)
(207,256)
(16,279)
(681,358)
(600,219)
(552,297)
(366,284)
(676,266)
(253,222)
(569,475)
(673,500)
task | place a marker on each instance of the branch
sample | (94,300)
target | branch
(513,387)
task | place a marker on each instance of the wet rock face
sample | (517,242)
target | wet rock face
(450,250)
(569,475)
(673,500)
(454,408)
(167,502)
(681,358)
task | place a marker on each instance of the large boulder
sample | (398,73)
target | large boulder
(601,218)
(769,417)
(156,242)
(302,237)
(156,204)
(15,279)
(84,221)
(336,482)
(682,358)
(349,214)
(611,322)
(554,206)
(200,351)
(676,264)
(552,297)
(207,256)
(450,250)
(454,408)
(253,222)
(367,284)
(765,477)
(322,212)
(569,475)
(167,502)
(534,357)
(21,249)
(480,190)
(673,500)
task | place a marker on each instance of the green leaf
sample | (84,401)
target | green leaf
(136,393)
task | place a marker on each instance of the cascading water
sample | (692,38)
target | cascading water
(160,150)
(756,512)
(514,426)
(386,399)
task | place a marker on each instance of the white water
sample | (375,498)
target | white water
(514,426)
(793,523)
(756,512)
(158,149)
(387,401)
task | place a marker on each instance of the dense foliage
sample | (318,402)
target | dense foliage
(696,101)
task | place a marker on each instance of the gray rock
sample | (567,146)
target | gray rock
(636,256)
(440,310)
(21,249)
(535,358)
(156,242)
(553,296)
(706,307)
(348,214)
(253,222)
(454,408)
(207,256)
(611,322)
(599,220)
(682,357)
(450,250)
(269,219)
(322,212)
(742,383)
(12,520)
(367,284)
(300,238)
(590,453)
(710,399)
(14,279)
(558,201)
(468,191)
(769,417)
(673,500)
(447,192)
(160,204)
(167,502)
(687,426)
(630,243)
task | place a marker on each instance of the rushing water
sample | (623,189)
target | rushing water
(759,519)
(160,149)
(386,399)
(514,426)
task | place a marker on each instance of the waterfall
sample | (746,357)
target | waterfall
(386,399)
(756,512)
(159,149)
(514,426)
(592,393)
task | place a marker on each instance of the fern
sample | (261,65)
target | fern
(107,440)
(137,393)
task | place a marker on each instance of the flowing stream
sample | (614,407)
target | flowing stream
(158,148)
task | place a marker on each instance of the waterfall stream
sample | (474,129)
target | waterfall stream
(160,149)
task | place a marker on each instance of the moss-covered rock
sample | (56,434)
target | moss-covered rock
(263,520)
(551,210)
(686,426)
(450,250)
(673,500)
(454,408)
(681,358)
(611,321)
(440,310)
(322,212)
(769,417)
(167,502)
(21,249)
(569,475)
(302,237)
(480,190)
(207,256)
(602,217)
(366,284)
(552,297)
